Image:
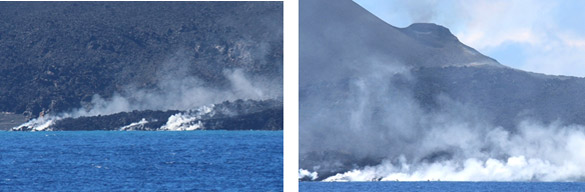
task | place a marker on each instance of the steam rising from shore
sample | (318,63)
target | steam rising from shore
(363,114)
(182,94)
(534,153)
(175,89)
(375,120)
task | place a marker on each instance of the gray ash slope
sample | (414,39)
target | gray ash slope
(59,57)
(369,91)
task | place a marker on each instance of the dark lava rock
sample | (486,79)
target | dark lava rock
(234,115)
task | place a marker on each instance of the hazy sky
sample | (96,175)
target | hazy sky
(533,35)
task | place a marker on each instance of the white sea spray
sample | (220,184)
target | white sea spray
(134,126)
(188,121)
(303,173)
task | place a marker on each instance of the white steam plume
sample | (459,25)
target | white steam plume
(376,117)
(307,174)
(535,152)
(175,90)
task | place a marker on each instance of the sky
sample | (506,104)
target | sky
(533,35)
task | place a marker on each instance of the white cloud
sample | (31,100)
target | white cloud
(572,40)
(561,54)
(488,24)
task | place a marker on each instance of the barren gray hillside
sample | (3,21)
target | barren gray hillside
(341,35)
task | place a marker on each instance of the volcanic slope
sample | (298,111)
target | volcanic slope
(368,88)
(63,57)
(58,54)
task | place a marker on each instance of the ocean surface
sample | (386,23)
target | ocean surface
(141,161)
(442,186)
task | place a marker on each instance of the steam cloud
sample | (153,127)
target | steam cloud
(360,118)
(536,152)
(178,90)
(372,117)
(175,89)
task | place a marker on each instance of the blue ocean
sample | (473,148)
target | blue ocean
(442,186)
(141,161)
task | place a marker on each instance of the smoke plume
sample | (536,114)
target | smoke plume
(371,127)
(178,90)
(363,115)
(175,89)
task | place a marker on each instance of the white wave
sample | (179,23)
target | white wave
(534,153)
(134,126)
(187,121)
(305,173)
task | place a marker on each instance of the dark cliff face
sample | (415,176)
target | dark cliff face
(56,55)
(370,91)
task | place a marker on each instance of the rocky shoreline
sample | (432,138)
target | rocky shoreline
(228,115)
